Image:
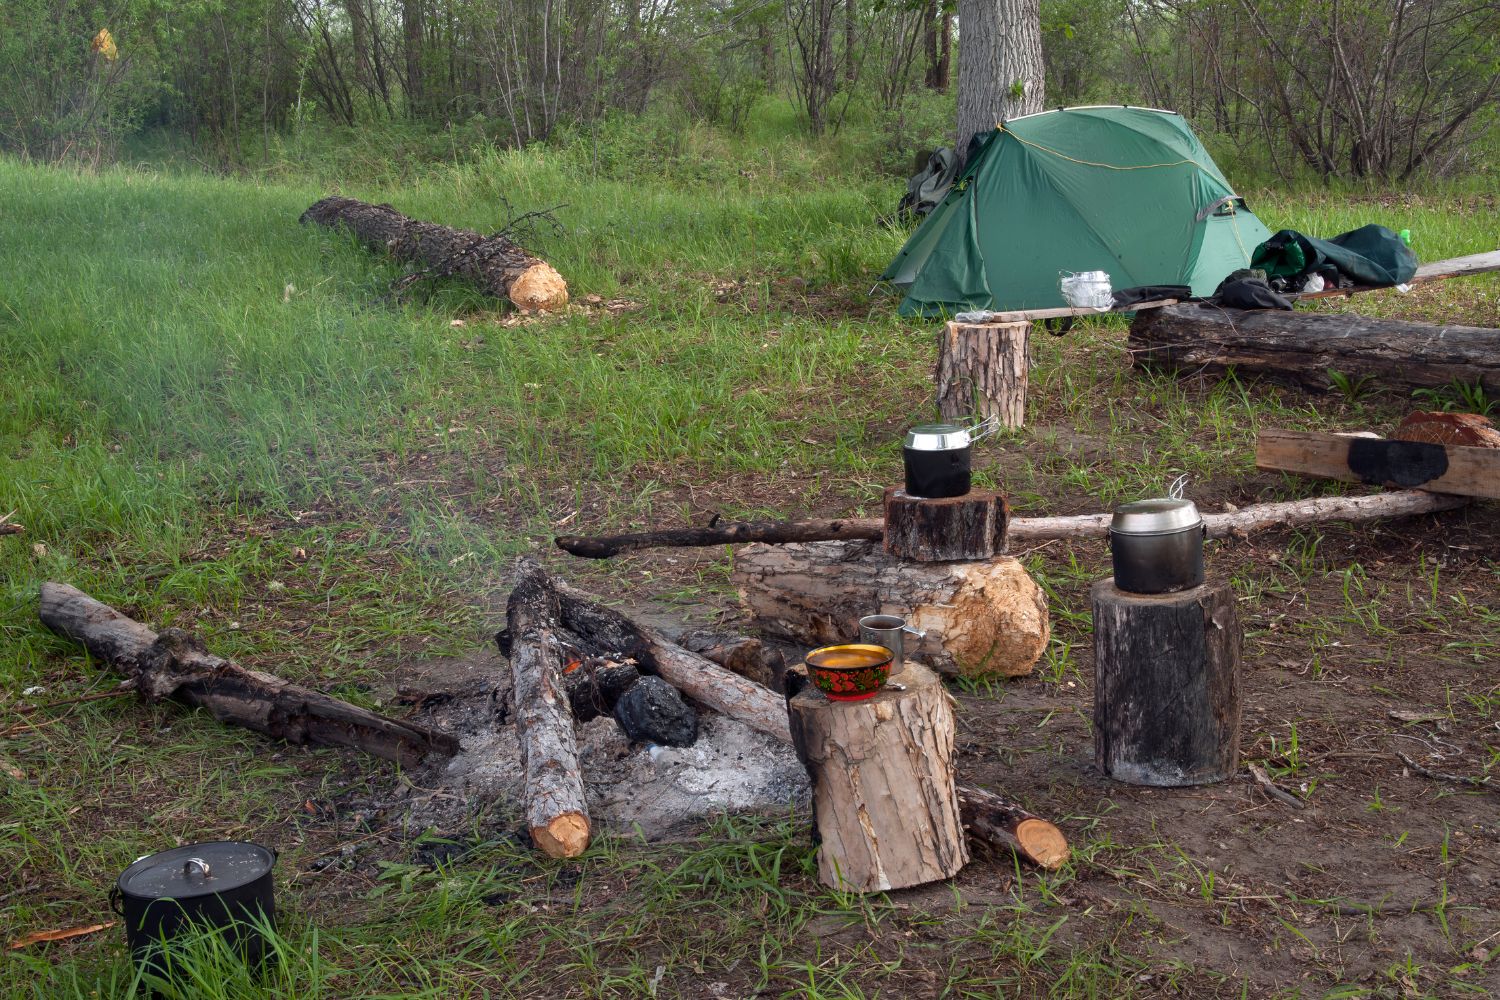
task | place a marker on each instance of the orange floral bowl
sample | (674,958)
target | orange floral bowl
(850,672)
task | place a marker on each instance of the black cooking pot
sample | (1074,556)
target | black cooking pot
(938,459)
(216,886)
(1157,546)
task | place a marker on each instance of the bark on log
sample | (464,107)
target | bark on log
(982,371)
(1166,685)
(884,801)
(493,263)
(699,679)
(1304,347)
(995,821)
(981,618)
(725,533)
(175,665)
(556,812)
(919,529)
(747,657)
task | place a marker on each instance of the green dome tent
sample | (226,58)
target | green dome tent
(1129,191)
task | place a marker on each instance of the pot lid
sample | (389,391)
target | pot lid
(937,437)
(1160,516)
(196,870)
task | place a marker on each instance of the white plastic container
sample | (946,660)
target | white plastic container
(1086,290)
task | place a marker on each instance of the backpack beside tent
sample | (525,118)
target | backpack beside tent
(1128,191)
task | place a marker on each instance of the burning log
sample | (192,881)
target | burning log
(498,266)
(696,677)
(750,658)
(556,812)
(982,618)
(174,664)
(884,802)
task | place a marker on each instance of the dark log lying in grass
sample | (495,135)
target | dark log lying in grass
(1022,531)
(1305,347)
(723,533)
(556,812)
(495,264)
(175,665)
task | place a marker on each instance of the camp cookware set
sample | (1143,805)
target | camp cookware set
(223,886)
(939,458)
(1157,545)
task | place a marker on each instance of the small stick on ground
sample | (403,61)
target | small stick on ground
(1274,790)
(8,527)
(1457,779)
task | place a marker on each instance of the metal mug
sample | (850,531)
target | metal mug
(888,631)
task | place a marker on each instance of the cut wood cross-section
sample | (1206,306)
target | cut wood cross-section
(495,264)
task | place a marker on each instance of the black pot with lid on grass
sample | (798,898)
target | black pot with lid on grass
(939,458)
(1157,546)
(225,886)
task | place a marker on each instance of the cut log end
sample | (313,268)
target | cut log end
(565,836)
(540,288)
(1043,843)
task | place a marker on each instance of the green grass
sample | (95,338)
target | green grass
(212,416)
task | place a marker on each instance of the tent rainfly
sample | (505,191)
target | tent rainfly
(1129,191)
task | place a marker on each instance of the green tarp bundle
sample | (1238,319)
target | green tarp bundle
(1128,191)
(1370,256)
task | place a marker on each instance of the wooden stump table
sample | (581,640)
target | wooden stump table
(1166,685)
(982,371)
(885,801)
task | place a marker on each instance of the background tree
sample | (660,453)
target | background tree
(1000,70)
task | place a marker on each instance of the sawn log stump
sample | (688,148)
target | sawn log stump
(945,529)
(982,371)
(885,801)
(1166,685)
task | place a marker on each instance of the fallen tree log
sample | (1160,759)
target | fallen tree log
(723,533)
(174,664)
(981,618)
(1023,531)
(495,264)
(1305,347)
(556,812)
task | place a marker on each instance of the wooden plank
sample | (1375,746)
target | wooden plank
(1438,270)
(1436,468)
(1454,267)
(1027,315)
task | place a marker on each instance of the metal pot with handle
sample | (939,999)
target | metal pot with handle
(1157,546)
(224,885)
(938,458)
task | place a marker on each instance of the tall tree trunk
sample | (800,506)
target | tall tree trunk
(1000,70)
(359,37)
(931,19)
(850,19)
(945,57)
(411,29)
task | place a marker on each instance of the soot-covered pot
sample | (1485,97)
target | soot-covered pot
(1157,546)
(222,885)
(939,458)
